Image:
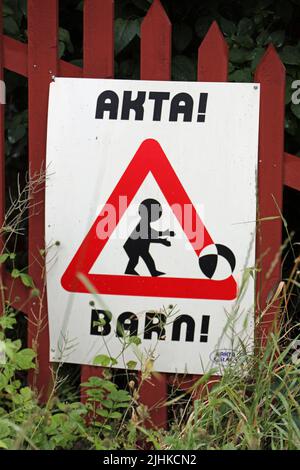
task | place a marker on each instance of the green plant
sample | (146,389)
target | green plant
(16,399)
(24,424)
(258,410)
(106,405)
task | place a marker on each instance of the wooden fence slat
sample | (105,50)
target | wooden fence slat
(156,44)
(156,65)
(98,54)
(15,57)
(270,73)
(66,69)
(213,56)
(212,67)
(42,65)
(98,38)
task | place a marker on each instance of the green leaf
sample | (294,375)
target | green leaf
(10,26)
(276,38)
(24,359)
(245,41)
(4,257)
(231,67)
(94,394)
(182,36)
(183,68)
(290,55)
(64,37)
(3,445)
(61,49)
(125,31)
(242,75)
(7,322)
(26,393)
(35,292)
(119,396)
(131,364)
(256,56)
(108,385)
(93,382)
(16,133)
(239,56)
(102,360)
(245,26)
(17,344)
(27,280)
(228,27)
(262,38)
(107,404)
(4,429)
(7,11)
(116,415)
(135,340)
(15,273)
(291,126)
(103,413)
(3,381)
(120,405)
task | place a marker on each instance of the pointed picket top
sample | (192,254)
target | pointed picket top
(156,12)
(156,44)
(270,67)
(213,56)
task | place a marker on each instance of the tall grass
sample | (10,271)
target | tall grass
(254,405)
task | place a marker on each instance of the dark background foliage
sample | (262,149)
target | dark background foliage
(248,26)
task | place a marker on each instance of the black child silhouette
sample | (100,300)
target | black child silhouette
(138,244)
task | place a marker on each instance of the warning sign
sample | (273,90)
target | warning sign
(150,222)
(149,158)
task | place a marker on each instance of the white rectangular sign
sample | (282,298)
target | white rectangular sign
(150,222)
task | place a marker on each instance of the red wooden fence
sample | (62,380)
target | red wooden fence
(38,60)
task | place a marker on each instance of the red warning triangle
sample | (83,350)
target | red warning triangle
(150,157)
